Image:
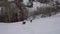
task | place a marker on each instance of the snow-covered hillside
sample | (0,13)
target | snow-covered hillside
(48,25)
(37,5)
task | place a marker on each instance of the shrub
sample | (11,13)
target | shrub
(47,11)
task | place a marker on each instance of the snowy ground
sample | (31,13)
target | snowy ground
(48,25)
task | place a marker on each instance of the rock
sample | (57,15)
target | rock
(23,22)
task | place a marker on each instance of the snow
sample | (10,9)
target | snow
(48,25)
(37,5)
(25,2)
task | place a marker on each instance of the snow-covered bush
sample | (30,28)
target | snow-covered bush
(57,2)
(47,11)
(45,1)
